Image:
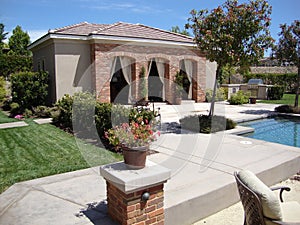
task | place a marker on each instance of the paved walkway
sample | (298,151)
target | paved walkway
(23,123)
(13,125)
(202,181)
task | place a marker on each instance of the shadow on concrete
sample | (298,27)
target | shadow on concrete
(257,112)
(96,212)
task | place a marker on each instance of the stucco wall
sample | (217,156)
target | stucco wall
(44,55)
(72,70)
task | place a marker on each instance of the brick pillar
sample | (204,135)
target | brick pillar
(125,189)
(130,209)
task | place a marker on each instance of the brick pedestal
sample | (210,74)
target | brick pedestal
(125,189)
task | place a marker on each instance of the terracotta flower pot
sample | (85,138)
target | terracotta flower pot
(135,157)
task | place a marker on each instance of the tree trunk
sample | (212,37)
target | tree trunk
(212,105)
(297,87)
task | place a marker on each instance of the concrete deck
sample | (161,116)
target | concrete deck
(201,183)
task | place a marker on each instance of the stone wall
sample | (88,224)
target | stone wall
(274,69)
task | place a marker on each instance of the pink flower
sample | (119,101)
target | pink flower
(19,117)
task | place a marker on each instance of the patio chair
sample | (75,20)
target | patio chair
(260,203)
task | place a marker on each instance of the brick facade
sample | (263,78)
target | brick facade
(141,55)
(129,209)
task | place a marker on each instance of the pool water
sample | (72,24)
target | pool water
(283,130)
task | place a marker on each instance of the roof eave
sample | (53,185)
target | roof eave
(49,36)
(140,40)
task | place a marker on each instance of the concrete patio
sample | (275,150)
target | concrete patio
(201,184)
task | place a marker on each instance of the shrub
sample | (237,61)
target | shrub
(239,98)
(83,111)
(42,111)
(29,89)
(87,112)
(206,124)
(220,95)
(28,113)
(287,109)
(2,90)
(147,116)
(62,117)
(275,92)
(14,109)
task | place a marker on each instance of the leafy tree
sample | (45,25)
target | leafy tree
(226,73)
(288,49)
(2,37)
(29,89)
(232,34)
(177,30)
(18,42)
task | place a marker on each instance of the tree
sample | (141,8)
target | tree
(18,42)
(232,34)
(177,30)
(2,37)
(288,49)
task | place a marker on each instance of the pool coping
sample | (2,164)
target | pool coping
(240,130)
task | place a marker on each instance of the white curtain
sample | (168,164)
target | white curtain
(188,64)
(149,69)
(113,67)
(126,68)
(160,64)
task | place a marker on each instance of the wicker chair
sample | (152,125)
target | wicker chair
(253,209)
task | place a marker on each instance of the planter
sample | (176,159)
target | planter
(135,157)
(252,100)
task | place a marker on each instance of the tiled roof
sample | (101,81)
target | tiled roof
(121,29)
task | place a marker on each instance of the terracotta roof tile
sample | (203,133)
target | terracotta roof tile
(121,29)
(83,28)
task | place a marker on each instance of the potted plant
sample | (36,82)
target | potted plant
(178,87)
(134,139)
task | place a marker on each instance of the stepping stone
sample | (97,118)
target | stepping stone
(13,125)
(43,120)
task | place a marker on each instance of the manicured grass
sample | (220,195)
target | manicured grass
(5,119)
(287,99)
(41,150)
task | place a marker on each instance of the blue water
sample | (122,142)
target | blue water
(283,130)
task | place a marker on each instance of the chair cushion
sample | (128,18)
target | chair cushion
(270,203)
(290,211)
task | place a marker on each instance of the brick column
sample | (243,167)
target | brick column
(125,191)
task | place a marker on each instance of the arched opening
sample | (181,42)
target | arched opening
(156,79)
(119,87)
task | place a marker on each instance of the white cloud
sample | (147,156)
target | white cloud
(126,6)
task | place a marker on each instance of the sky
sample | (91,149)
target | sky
(38,16)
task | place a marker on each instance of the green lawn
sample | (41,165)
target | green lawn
(287,99)
(41,150)
(5,119)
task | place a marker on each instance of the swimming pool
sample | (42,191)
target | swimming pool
(280,129)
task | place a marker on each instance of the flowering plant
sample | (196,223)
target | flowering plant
(19,117)
(133,134)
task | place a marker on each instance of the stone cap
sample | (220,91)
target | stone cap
(129,181)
